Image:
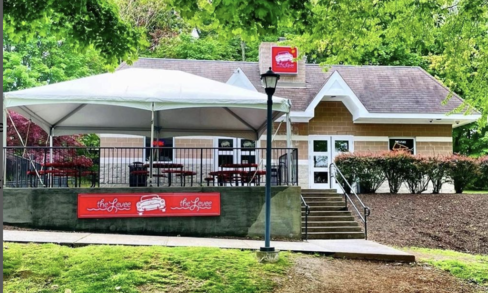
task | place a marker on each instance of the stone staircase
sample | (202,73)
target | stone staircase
(328,218)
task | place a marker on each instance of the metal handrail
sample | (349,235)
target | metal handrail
(366,210)
(307,212)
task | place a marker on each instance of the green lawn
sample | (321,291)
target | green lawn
(473,268)
(476,191)
(54,268)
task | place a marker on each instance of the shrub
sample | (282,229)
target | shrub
(346,162)
(483,167)
(360,168)
(438,172)
(395,165)
(417,175)
(462,170)
(369,172)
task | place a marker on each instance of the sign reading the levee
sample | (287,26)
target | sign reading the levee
(137,205)
(283,60)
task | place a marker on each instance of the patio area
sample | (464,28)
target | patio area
(36,167)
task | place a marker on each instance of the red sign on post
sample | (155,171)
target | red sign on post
(137,205)
(282,60)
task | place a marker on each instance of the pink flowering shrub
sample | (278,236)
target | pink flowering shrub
(462,170)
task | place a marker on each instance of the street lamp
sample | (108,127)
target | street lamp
(269,81)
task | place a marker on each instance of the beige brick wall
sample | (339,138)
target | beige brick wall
(370,146)
(333,118)
(434,148)
(121,141)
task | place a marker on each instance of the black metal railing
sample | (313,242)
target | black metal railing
(307,212)
(334,170)
(156,166)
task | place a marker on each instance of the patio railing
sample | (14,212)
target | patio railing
(133,166)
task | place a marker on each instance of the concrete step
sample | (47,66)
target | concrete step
(320,191)
(320,199)
(332,229)
(309,195)
(331,223)
(327,213)
(326,208)
(327,218)
(335,235)
(325,203)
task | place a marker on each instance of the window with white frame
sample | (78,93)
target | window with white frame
(163,151)
(407,144)
(235,151)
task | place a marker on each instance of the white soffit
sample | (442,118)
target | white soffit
(336,89)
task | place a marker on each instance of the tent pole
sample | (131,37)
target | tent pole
(288,146)
(4,144)
(151,145)
(51,146)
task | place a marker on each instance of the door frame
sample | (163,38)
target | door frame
(331,153)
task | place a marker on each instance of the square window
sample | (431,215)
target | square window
(320,145)
(321,177)
(341,146)
(320,161)
(163,151)
(225,143)
(407,144)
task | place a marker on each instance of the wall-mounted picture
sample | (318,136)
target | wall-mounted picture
(248,144)
(226,143)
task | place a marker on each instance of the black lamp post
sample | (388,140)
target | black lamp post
(269,81)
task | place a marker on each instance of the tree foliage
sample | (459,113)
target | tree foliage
(446,37)
(44,60)
(82,24)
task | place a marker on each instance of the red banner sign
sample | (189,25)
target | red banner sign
(282,60)
(137,205)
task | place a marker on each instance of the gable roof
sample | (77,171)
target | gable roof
(380,89)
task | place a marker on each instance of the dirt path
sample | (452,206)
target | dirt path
(319,274)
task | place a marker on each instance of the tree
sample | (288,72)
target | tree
(33,135)
(80,23)
(449,35)
(44,60)
(471,140)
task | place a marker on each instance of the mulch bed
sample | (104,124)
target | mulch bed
(446,221)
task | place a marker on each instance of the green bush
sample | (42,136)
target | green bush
(346,163)
(363,169)
(417,175)
(370,175)
(438,172)
(395,165)
(462,170)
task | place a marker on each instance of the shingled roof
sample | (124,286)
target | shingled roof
(381,89)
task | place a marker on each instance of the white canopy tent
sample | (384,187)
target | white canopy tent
(123,103)
(144,101)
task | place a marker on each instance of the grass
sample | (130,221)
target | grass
(54,268)
(475,191)
(470,267)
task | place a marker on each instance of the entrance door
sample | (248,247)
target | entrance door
(322,151)
(341,144)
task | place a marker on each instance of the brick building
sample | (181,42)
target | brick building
(343,108)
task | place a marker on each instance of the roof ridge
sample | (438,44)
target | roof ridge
(196,60)
(357,66)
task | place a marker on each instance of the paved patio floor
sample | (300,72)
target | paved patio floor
(357,249)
